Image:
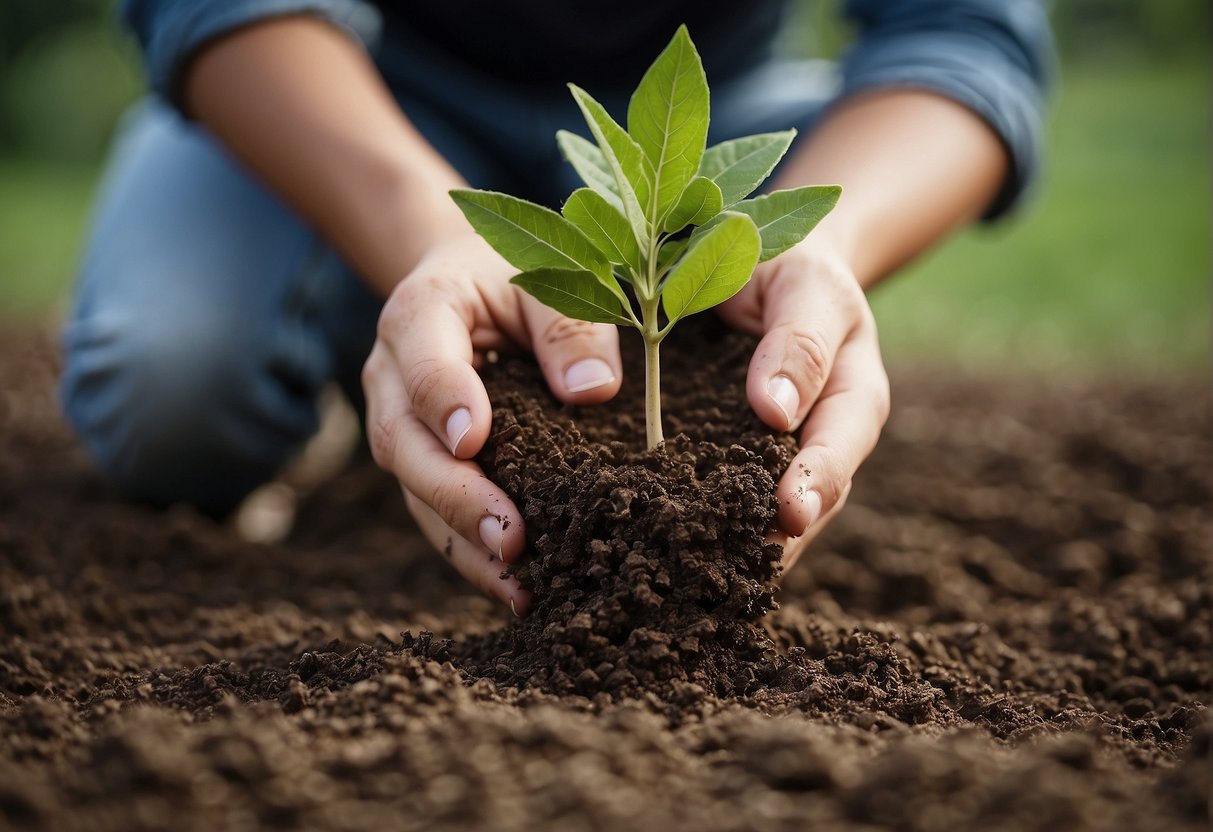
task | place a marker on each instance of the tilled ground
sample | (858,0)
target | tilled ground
(1009,628)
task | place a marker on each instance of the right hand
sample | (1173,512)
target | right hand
(428,412)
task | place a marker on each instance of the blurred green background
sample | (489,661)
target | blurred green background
(1107,270)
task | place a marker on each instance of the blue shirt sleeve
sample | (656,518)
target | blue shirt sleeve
(171,31)
(995,57)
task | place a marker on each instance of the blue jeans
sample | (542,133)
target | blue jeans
(208,317)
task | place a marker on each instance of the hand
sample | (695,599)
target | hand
(817,368)
(427,410)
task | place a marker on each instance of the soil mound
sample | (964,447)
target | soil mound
(650,568)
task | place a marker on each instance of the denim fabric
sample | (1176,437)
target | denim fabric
(993,56)
(170,31)
(207,317)
(206,320)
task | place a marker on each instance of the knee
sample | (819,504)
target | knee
(160,402)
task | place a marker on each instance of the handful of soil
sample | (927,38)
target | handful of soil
(649,568)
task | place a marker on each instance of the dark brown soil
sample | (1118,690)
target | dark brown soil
(649,569)
(1010,628)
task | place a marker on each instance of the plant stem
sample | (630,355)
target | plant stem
(652,389)
(649,302)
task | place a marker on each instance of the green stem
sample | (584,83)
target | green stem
(652,389)
(649,303)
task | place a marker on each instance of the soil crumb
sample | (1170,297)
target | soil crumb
(1009,627)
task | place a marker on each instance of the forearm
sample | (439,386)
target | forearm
(303,107)
(913,166)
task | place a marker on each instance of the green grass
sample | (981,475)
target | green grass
(43,211)
(1110,269)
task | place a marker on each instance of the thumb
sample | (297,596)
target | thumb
(580,360)
(805,321)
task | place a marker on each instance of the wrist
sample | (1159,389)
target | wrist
(825,251)
(405,211)
(428,215)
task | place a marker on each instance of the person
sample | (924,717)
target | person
(275,217)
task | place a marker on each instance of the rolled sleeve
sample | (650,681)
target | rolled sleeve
(171,31)
(993,56)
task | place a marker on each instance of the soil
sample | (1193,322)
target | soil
(1010,627)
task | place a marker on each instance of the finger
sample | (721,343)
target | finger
(807,316)
(795,547)
(841,431)
(455,489)
(580,360)
(427,328)
(482,570)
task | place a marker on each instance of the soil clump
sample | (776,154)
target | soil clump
(650,569)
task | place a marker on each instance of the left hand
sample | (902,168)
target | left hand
(817,369)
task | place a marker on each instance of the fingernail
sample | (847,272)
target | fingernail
(587,374)
(783,392)
(457,426)
(514,609)
(492,534)
(812,506)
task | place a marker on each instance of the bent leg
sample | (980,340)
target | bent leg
(196,347)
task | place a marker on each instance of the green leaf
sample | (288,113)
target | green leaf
(668,118)
(577,294)
(714,268)
(590,164)
(529,236)
(670,251)
(605,227)
(740,165)
(699,203)
(623,156)
(784,218)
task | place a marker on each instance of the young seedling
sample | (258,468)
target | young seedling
(646,186)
